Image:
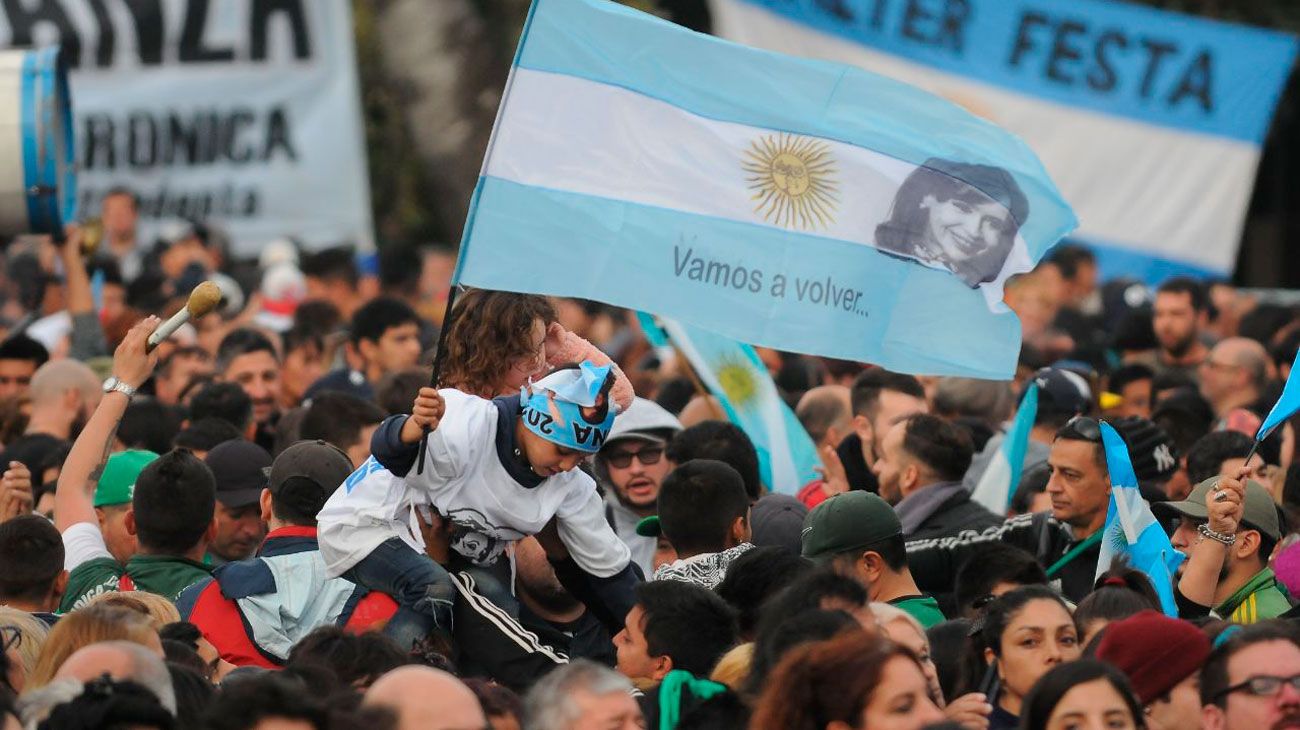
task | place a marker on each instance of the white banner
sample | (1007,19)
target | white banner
(244,113)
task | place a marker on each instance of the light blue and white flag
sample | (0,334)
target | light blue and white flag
(1002,476)
(795,204)
(1131,529)
(733,373)
(1151,121)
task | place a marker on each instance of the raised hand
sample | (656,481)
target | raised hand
(427,412)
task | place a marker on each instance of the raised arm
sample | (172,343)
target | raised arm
(1224,505)
(74,499)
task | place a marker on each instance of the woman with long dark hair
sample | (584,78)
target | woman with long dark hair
(1082,694)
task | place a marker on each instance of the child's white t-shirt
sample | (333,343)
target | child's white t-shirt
(465,481)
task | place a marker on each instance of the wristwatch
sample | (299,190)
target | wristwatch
(113,384)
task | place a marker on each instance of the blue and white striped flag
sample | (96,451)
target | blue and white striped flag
(1000,479)
(1131,529)
(733,373)
(795,204)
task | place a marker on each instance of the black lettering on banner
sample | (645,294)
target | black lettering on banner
(1196,82)
(921,24)
(263,11)
(837,8)
(1063,52)
(1102,77)
(241,136)
(193,48)
(141,140)
(277,136)
(23,17)
(1156,51)
(1111,59)
(148,20)
(1028,21)
(107,41)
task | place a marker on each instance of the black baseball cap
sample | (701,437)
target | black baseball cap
(307,473)
(238,467)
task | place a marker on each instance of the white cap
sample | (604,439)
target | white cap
(641,418)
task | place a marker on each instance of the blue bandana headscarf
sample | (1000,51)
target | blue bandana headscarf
(552,407)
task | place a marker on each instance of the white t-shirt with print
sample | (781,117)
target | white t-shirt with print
(465,481)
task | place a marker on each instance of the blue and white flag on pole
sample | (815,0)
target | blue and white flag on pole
(733,373)
(1131,529)
(796,204)
(1002,476)
(1287,404)
(1150,121)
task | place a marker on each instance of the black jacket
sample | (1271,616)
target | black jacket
(934,562)
(957,514)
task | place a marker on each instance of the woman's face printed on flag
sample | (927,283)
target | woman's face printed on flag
(956,216)
(965,225)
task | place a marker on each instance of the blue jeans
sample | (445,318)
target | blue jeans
(422,588)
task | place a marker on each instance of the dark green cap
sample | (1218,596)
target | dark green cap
(847,522)
(649,527)
(1259,513)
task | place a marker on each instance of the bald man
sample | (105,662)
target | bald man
(122,660)
(64,393)
(426,699)
(826,413)
(1234,374)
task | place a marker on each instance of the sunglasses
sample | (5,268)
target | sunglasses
(1264,685)
(1088,429)
(623,459)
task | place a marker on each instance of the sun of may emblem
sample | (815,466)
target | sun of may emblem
(793,181)
(737,381)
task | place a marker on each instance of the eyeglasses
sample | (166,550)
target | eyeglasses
(1263,685)
(623,459)
(1087,428)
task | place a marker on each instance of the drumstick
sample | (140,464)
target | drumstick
(203,299)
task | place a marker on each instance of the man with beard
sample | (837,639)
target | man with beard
(632,466)
(1180,315)
(1249,681)
(247,358)
(64,393)
(1228,528)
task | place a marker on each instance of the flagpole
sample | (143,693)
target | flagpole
(439,356)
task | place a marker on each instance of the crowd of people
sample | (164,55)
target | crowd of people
(274,520)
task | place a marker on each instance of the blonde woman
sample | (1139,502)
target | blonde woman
(23,635)
(87,626)
(158,610)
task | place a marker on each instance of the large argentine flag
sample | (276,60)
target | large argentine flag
(1150,121)
(733,373)
(1002,476)
(1131,530)
(796,204)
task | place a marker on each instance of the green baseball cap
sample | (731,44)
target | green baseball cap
(847,522)
(117,483)
(1260,511)
(649,527)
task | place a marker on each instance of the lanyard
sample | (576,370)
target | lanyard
(1092,539)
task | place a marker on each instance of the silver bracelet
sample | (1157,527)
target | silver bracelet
(1218,537)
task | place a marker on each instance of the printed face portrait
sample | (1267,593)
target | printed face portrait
(963,227)
(955,216)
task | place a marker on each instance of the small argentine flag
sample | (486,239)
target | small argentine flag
(796,204)
(1131,529)
(1287,404)
(733,373)
(1000,479)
